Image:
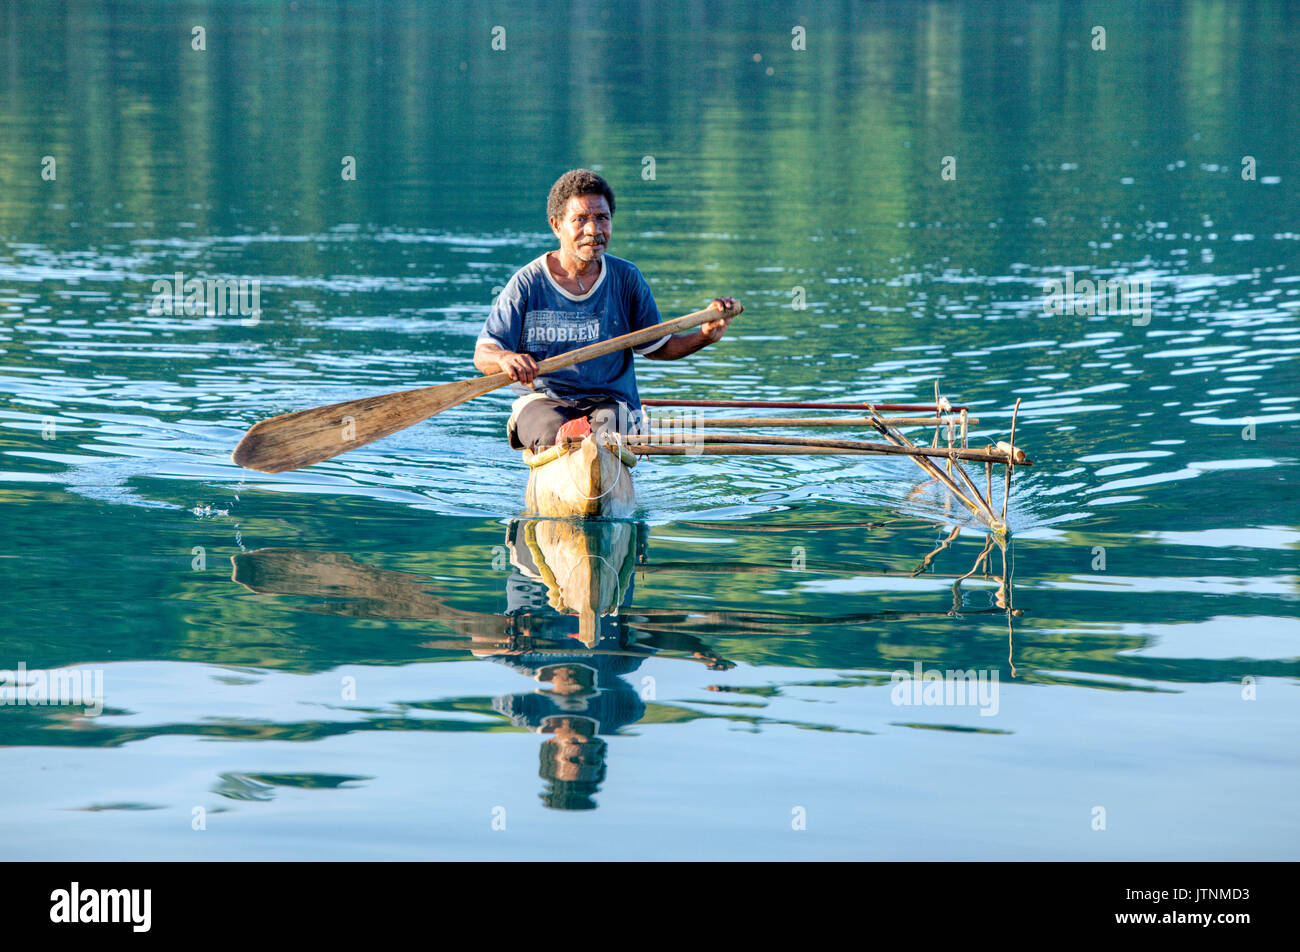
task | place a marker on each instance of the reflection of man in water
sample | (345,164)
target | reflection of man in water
(583,694)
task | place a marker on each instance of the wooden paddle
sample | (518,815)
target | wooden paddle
(294,440)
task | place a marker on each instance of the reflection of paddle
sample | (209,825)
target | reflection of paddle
(294,440)
(362,591)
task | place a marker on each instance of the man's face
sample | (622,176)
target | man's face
(585,228)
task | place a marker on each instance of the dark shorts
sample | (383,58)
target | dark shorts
(537,418)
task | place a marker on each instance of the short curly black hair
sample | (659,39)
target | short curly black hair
(576,182)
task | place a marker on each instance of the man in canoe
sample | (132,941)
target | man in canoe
(573,297)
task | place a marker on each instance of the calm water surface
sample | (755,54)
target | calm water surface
(364,659)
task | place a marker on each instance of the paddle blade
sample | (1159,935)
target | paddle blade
(294,440)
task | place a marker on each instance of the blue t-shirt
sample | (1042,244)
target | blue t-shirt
(535,316)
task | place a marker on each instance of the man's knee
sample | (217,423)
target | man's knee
(537,423)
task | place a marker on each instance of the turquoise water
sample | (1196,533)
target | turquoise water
(320,664)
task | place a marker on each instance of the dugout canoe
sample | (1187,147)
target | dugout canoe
(581,479)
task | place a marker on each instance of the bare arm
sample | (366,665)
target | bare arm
(680,345)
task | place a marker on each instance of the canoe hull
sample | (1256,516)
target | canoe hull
(584,479)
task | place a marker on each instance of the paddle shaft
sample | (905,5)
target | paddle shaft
(294,440)
(634,339)
(649,335)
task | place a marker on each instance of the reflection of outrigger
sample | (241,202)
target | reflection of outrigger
(565,569)
(731,621)
(570,627)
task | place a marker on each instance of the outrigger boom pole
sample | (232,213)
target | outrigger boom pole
(682,438)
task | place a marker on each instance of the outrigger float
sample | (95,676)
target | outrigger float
(592,477)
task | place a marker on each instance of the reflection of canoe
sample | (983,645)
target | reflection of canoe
(586,567)
(581,479)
